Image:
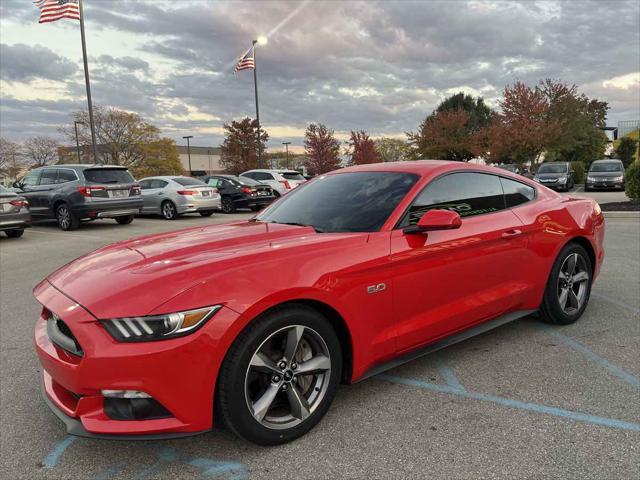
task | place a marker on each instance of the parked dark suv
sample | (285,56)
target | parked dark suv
(72,193)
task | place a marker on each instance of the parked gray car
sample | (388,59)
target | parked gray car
(556,175)
(605,174)
(14,213)
(72,193)
(171,196)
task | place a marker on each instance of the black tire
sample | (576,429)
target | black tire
(231,396)
(14,233)
(228,206)
(66,219)
(256,208)
(208,213)
(551,310)
(126,220)
(276,194)
(169,210)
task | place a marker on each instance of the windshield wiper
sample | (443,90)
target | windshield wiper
(298,224)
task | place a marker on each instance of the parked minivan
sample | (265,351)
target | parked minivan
(607,173)
(72,193)
(281,181)
(556,175)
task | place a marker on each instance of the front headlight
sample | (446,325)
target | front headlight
(618,179)
(158,327)
(591,179)
(562,179)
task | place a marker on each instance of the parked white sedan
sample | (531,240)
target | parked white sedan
(281,181)
(172,196)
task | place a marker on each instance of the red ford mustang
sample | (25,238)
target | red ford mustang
(255,323)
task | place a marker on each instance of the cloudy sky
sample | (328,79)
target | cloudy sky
(380,67)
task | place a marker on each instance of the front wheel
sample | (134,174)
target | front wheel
(227,205)
(126,220)
(280,376)
(569,286)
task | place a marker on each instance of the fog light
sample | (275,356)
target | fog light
(124,394)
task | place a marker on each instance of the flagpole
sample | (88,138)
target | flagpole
(88,85)
(255,85)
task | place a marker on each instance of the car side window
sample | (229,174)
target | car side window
(158,183)
(467,193)
(65,175)
(145,184)
(265,176)
(213,182)
(251,175)
(31,178)
(48,176)
(516,193)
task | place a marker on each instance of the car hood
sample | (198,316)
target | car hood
(133,277)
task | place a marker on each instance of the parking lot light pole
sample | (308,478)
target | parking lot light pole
(187,137)
(75,126)
(286,146)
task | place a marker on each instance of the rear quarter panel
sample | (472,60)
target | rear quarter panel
(550,222)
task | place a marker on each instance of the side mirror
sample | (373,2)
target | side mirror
(18,185)
(436,220)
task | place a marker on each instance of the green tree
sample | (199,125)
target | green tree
(626,149)
(632,181)
(579,120)
(322,149)
(240,146)
(393,149)
(159,157)
(453,129)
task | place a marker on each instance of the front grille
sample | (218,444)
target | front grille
(60,334)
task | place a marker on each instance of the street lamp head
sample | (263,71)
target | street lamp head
(188,136)
(262,40)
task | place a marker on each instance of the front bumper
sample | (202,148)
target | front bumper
(179,373)
(605,184)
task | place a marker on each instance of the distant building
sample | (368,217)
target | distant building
(203,160)
(627,126)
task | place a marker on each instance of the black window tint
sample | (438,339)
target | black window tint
(158,183)
(145,184)
(48,176)
(516,193)
(292,176)
(466,193)
(186,181)
(65,176)
(262,176)
(344,202)
(249,175)
(108,175)
(31,178)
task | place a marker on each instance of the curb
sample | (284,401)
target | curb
(621,214)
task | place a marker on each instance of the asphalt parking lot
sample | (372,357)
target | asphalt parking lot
(523,401)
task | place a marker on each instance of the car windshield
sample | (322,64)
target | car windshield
(292,176)
(553,168)
(187,181)
(606,167)
(108,175)
(343,202)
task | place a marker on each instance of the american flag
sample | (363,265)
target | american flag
(52,10)
(245,62)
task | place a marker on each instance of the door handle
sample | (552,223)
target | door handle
(511,233)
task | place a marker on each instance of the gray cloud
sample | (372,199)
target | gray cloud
(22,62)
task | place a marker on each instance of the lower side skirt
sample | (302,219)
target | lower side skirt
(445,342)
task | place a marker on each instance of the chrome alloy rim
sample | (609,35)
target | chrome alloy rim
(288,377)
(167,209)
(573,281)
(64,217)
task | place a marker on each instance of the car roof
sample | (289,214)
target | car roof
(84,166)
(271,170)
(605,160)
(424,167)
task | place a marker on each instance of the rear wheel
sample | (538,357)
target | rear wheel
(126,220)
(227,205)
(65,218)
(14,233)
(280,376)
(208,213)
(569,287)
(169,211)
